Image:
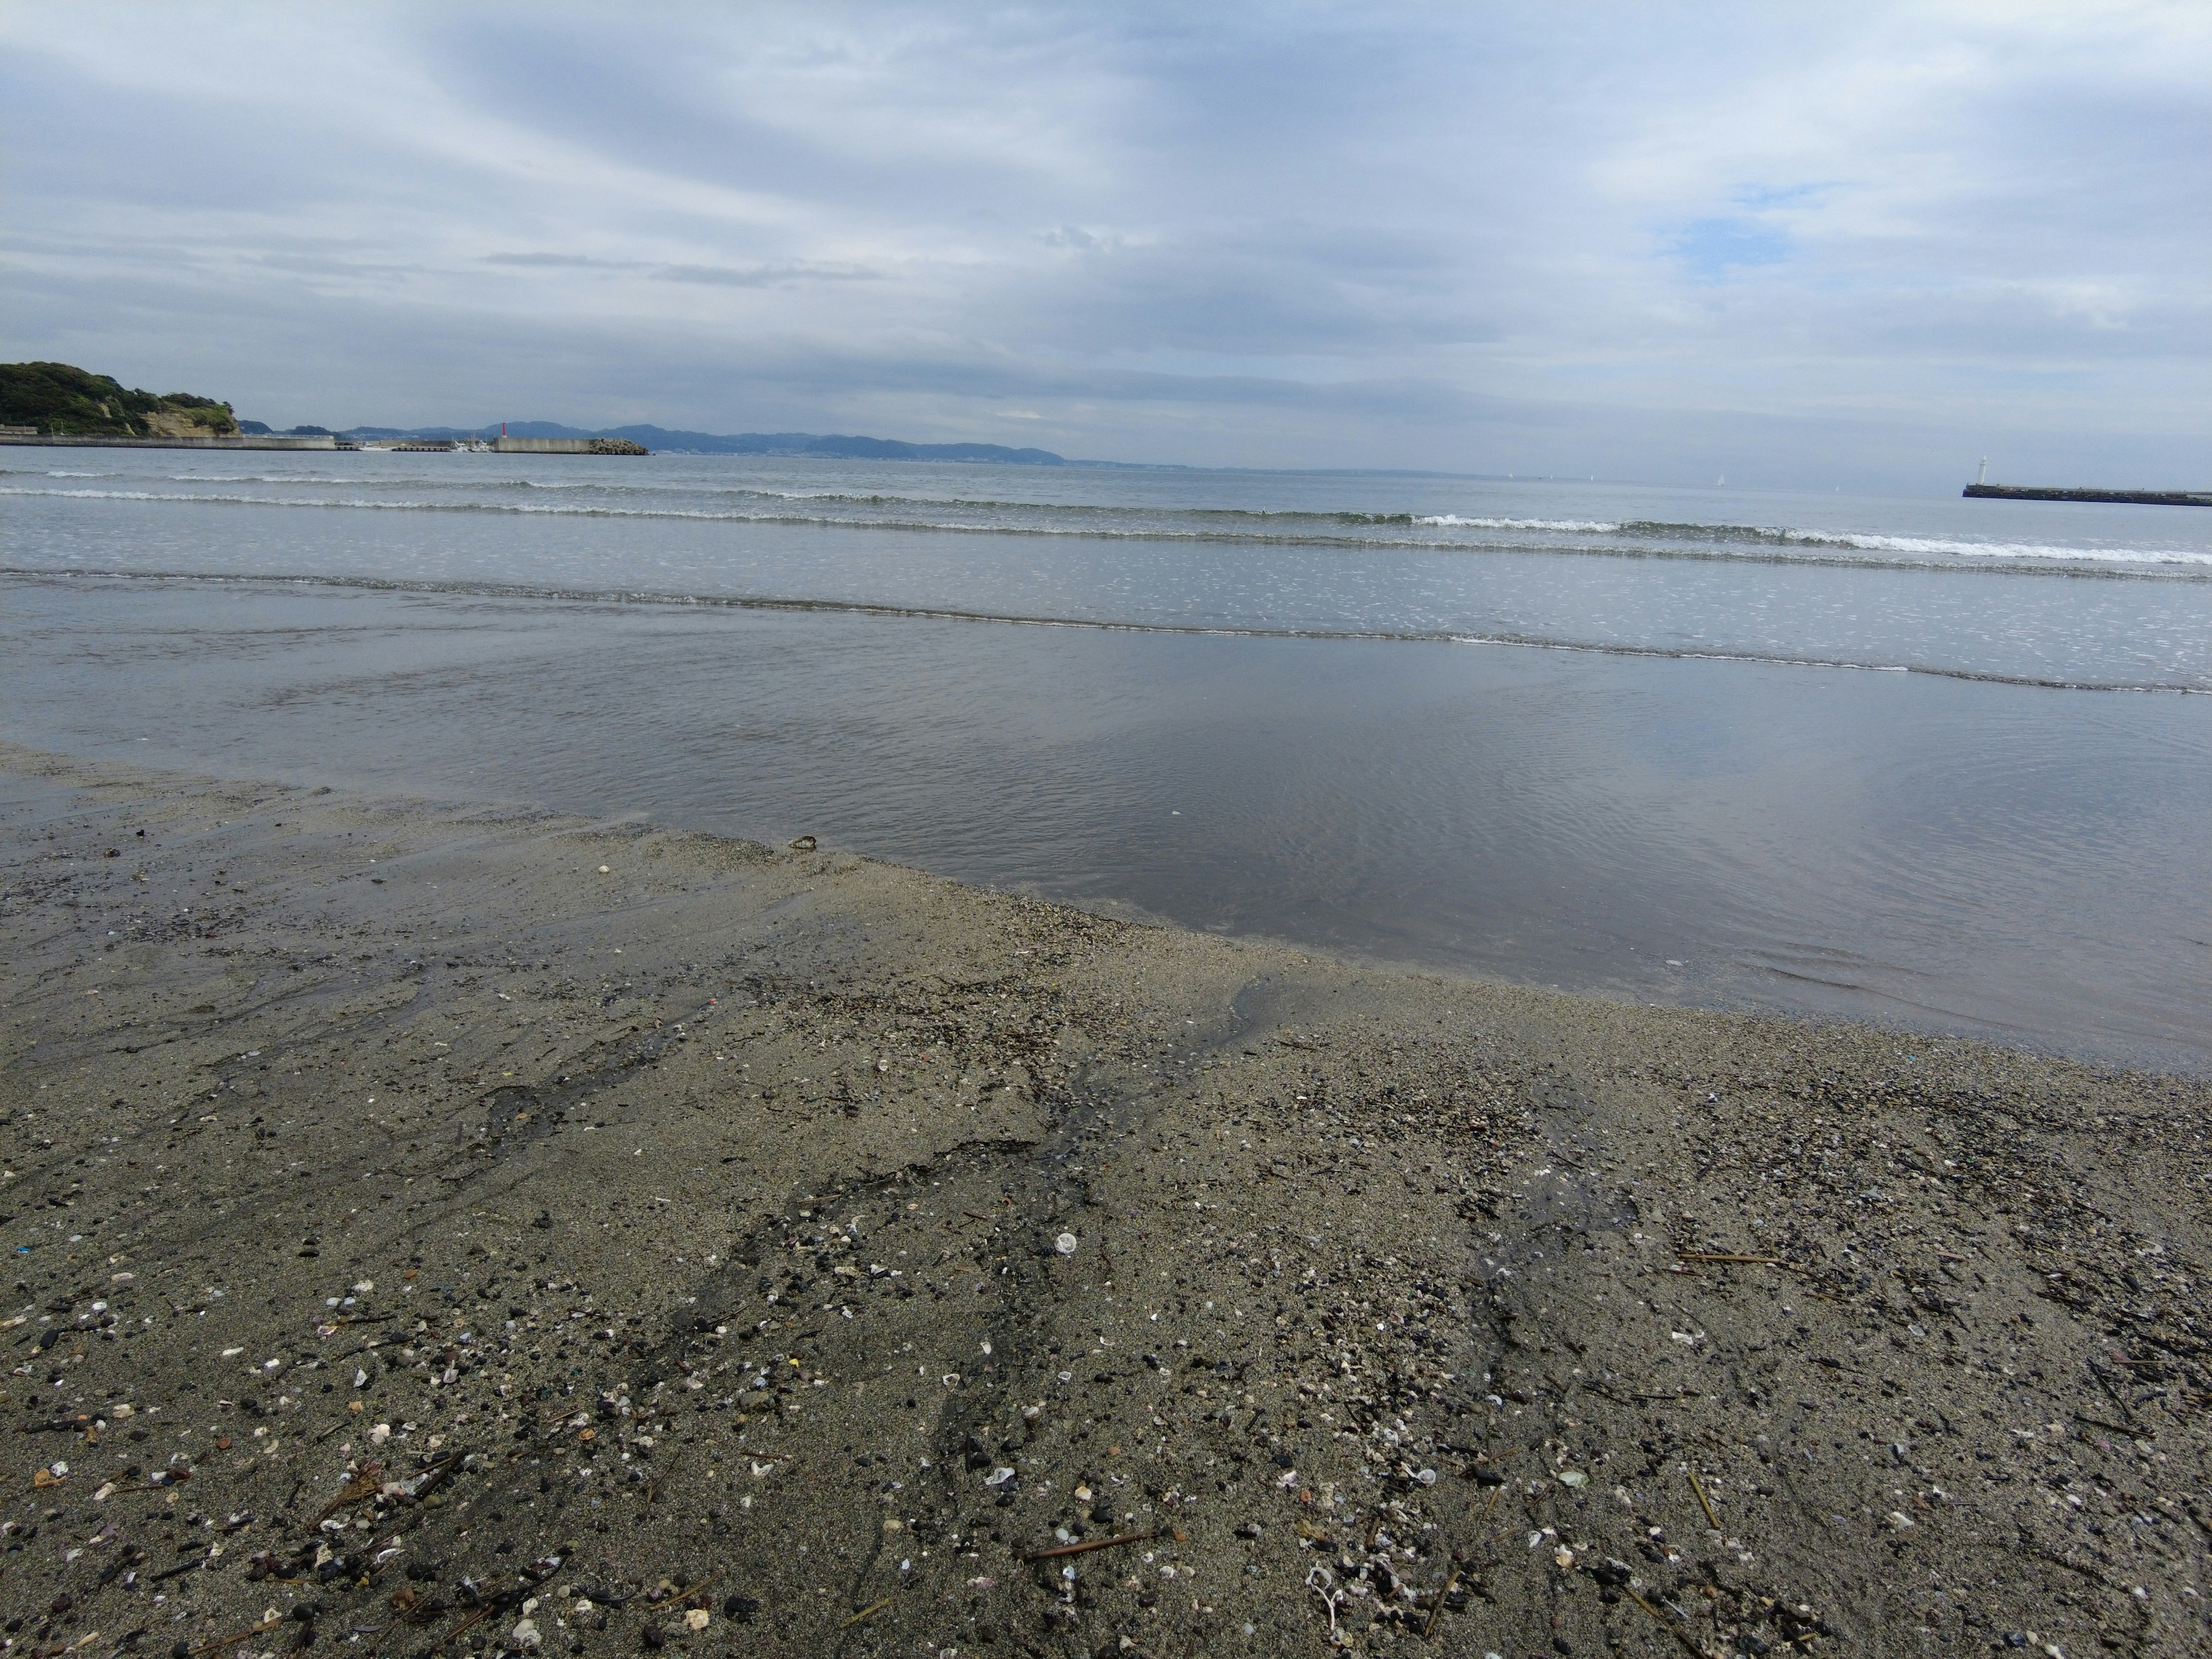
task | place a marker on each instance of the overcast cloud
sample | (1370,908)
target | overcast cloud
(1861,244)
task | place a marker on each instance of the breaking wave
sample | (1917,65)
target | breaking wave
(1376,532)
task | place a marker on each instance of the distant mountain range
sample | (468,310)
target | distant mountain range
(841,447)
(62,398)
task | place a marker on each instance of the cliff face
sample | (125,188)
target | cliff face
(62,400)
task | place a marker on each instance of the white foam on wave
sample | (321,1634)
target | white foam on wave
(210,499)
(1901,551)
(230,477)
(527,509)
(98,495)
(1589,526)
(1927,544)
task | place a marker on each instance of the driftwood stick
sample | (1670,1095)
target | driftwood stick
(1704,1502)
(869,1611)
(1688,1646)
(262,1629)
(1090,1544)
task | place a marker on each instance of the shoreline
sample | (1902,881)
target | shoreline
(701,1218)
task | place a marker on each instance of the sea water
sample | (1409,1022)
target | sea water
(1943,763)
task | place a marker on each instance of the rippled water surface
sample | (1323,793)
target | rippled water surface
(1944,763)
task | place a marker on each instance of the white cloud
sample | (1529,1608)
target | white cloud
(1280,236)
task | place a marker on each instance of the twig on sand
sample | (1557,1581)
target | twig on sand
(464,1626)
(869,1611)
(505,1600)
(1483,1519)
(683,1595)
(1739,1261)
(1688,1646)
(1090,1544)
(1437,1612)
(261,1629)
(370,1481)
(1704,1502)
(2115,1428)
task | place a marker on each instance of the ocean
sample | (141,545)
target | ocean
(1941,764)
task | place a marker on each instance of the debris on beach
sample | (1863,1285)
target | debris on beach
(860,1254)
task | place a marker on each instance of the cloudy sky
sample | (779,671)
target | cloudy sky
(1860,243)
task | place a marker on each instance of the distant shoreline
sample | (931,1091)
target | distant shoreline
(274,440)
(384,439)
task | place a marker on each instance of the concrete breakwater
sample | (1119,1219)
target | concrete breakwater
(507,446)
(2138,497)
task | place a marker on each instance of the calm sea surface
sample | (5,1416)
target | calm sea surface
(1946,764)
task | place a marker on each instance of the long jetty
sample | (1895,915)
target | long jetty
(2135,497)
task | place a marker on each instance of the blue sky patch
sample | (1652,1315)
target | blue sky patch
(1714,250)
(1759,197)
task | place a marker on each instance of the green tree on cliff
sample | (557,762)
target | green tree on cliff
(65,401)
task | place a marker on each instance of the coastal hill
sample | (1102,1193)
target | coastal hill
(663,440)
(62,400)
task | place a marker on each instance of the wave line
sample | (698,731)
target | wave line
(770,602)
(1773,547)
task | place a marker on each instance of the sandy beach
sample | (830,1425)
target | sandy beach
(440,1226)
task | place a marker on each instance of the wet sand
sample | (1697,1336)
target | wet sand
(447,1222)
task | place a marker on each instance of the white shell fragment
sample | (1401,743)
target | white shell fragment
(1065,1244)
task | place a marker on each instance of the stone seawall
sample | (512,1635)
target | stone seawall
(2138,497)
